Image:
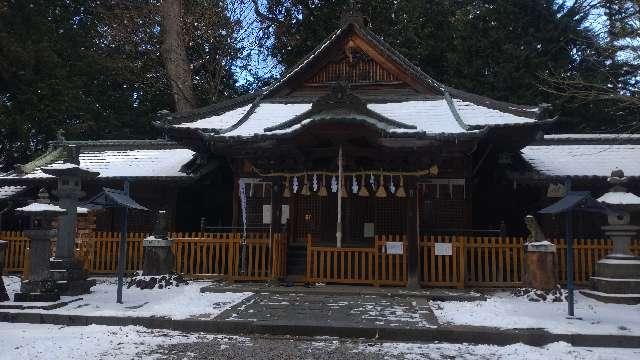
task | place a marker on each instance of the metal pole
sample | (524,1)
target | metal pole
(122,251)
(339,224)
(569,237)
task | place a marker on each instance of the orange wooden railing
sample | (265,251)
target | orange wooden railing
(357,265)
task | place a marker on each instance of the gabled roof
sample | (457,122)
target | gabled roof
(429,108)
(158,159)
(584,155)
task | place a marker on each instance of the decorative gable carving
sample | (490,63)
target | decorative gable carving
(353,66)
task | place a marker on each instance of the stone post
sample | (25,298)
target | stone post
(3,291)
(158,257)
(540,266)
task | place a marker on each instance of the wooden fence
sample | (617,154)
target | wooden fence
(196,254)
(474,261)
(372,266)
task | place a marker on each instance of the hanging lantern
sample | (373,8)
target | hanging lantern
(363,188)
(381,191)
(433,170)
(343,190)
(400,193)
(305,187)
(286,193)
(323,188)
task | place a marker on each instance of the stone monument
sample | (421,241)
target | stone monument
(66,270)
(617,276)
(3,291)
(540,266)
(39,286)
(158,257)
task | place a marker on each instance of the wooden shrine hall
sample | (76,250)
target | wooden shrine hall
(355,147)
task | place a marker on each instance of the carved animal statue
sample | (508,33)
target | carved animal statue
(535,232)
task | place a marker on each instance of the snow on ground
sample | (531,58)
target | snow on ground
(29,341)
(558,350)
(503,310)
(45,342)
(180,302)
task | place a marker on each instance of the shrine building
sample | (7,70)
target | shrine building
(355,123)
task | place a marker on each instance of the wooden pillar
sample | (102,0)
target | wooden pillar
(276,205)
(413,251)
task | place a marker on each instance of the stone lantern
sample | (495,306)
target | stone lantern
(39,286)
(617,276)
(65,270)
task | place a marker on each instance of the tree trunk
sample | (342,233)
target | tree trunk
(174,55)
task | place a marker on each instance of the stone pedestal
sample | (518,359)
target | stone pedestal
(3,291)
(38,287)
(540,267)
(617,277)
(158,256)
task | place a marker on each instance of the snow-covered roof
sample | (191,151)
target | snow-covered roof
(571,155)
(620,198)
(39,207)
(621,137)
(473,114)
(431,116)
(428,108)
(9,191)
(120,160)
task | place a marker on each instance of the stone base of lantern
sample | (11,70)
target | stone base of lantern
(617,277)
(69,277)
(37,291)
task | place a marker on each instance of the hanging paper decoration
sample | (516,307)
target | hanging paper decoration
(372,181)
(363,188)
(305,187)
(381,191)
(250,189)
(400,193)
(315,182)
(323,189)
(295,184)
(286,193)
(354,185)
(334,184)
(392,187)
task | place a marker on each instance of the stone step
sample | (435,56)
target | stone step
(618,268)
(615,286)
(629,299)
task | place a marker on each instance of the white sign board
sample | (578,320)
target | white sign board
(394,247)
(444,249)
(266,214)
(285,214)
(369,230)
